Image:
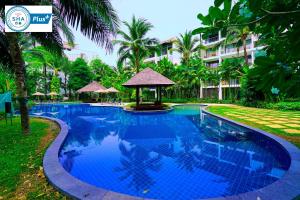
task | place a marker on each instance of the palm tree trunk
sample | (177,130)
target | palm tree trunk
(245,51)
(19,70)
(45,78)
(65,85)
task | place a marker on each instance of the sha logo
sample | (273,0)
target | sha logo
(18,18)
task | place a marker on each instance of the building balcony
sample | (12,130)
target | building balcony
(211,40)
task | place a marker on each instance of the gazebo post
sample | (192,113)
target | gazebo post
(157,97)
(159,94)
(137,96)
(148,78)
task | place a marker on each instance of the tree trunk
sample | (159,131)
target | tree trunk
(65,85)
(45,79)
(137,96)
(245,51)
(19,70)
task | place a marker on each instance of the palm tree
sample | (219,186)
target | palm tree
(186,45)
(40,57)
(238,35)
(96,20)
(135,45)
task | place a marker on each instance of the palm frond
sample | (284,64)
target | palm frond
(96,19)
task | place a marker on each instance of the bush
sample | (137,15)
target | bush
(294,106)
(196,100)
(284,106)
(16,104)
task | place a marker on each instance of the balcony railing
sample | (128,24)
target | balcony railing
(211,54)
(211,40)
(230,50)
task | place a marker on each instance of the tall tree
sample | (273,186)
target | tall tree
(135,45)
(187,45)
(80,74)
(95,19)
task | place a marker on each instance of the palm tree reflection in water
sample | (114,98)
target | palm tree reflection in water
(189,158)
(136,165)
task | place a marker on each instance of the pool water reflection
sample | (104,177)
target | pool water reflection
(183,154)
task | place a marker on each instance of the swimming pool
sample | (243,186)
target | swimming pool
(182,154)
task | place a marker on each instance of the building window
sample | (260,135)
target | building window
(213,64)
(165,48)
(212,38)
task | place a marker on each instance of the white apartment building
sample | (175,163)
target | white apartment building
(215,53)
(166,52)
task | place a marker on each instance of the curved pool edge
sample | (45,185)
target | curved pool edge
(66,183)
(287,187)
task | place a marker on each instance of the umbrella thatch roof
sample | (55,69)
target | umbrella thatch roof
(148,77)
(112,90)
(52,94)
(92,87)
(38,94)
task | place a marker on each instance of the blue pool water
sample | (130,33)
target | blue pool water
(183,154)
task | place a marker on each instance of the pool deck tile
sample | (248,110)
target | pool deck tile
(292,131)
(275,126)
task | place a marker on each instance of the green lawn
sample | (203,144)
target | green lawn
(285,124)
(21,174)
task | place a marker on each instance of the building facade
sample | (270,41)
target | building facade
(167,47)
(213,54)
(216,51)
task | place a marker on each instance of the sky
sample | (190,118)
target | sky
(169,18)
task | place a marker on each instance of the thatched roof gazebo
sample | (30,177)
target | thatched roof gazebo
(148,78)
(92,87)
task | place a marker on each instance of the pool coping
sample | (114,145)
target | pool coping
(288,187)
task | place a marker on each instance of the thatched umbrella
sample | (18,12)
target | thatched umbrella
(38,95)
(112,90)
(52,94)
(148,78)
(92,87)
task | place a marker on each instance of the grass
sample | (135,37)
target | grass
(21,174)
(285,124)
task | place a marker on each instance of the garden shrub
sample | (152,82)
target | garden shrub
(292,106)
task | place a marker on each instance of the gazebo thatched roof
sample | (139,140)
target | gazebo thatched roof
(92,87)
(148,77)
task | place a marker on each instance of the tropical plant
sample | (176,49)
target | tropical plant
(7,82)
(80,74)
(135,46)
(102,72)
(55,84)
(40,57)
(65,68)
(96,20)
(186,45)
(238,35)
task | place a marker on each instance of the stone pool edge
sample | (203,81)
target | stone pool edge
(288,187)
(70,186)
